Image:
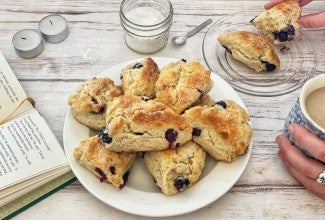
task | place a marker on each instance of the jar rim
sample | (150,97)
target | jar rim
(170,15)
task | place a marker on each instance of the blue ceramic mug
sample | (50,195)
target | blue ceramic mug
(299,114)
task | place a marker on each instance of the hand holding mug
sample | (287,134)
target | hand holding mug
(302,145)
(304,169)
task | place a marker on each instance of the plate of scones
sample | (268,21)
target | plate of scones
(157,136)
(261,52)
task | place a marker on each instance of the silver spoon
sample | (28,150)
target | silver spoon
(181,40)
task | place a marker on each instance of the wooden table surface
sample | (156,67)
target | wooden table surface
(265,189)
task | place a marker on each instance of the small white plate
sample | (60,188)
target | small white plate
(297,59)
(140,196)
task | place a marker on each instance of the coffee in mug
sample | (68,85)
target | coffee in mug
(309,110)
(315,106)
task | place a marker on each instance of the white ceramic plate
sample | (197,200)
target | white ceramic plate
(297,59)
(140,196)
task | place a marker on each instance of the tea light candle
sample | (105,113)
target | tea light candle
(28,43)
(54,28)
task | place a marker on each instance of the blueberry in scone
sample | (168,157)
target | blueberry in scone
(90,100)
(182,83)
(135,124)
(223,130)
(280,23)
(251,49)
(108,166)
(175,170)
(140,78)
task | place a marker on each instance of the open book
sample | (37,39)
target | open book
(30,155)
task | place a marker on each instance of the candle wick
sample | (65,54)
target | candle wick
(51,22)
(23,38)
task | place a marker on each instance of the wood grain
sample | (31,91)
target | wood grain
(95,43)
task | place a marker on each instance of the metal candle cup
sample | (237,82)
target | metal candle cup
(28,43)
(54,28)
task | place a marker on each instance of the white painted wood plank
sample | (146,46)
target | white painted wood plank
(264,191)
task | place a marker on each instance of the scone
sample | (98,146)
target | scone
(109,166)
(137,124)
(223,130)
(140,78)
(205,101)
(251,49)
(175,170)
(90,100)
(280,23)
(182,83)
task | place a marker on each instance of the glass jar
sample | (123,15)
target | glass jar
(146,24)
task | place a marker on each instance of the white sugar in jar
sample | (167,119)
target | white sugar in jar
(146,24)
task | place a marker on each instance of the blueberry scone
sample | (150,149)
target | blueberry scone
(182,83)
(251,49)
(90,100)
(175,170)
(205,101)
(108,166)
(140,78)
(138,124)
(280,23)
(223,130)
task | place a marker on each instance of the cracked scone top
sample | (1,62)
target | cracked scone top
(175,170)
(108,166)
(140,78)
(182,83)
(138,124)
(223,130)
(251,49)
(280,23)
(90,100)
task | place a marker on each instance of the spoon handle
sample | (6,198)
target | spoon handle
(198,28)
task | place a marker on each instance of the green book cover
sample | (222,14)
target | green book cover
(18,205)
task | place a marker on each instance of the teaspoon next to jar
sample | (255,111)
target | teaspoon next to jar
(181,40)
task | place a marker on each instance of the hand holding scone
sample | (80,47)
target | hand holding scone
(316,20)
(280,23)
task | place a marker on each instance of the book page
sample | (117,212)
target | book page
(11,92)
(27,148)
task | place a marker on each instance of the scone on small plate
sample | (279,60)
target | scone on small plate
(280,23)
(108,166)
(90,100)
(135,123)
(251,49)
(223,130)
(182,83)
(140,78)
(175,170)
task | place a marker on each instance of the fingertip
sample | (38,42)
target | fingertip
(279,154)
(267,5)
(291,128)
(313,20)
(278,139)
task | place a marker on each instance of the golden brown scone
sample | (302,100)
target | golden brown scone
(280,23)
(175,170)
(138,124)
(109,166)
(251,49)
(223,130)
(90,100)
(205,101)
(140,78)
(182,83)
